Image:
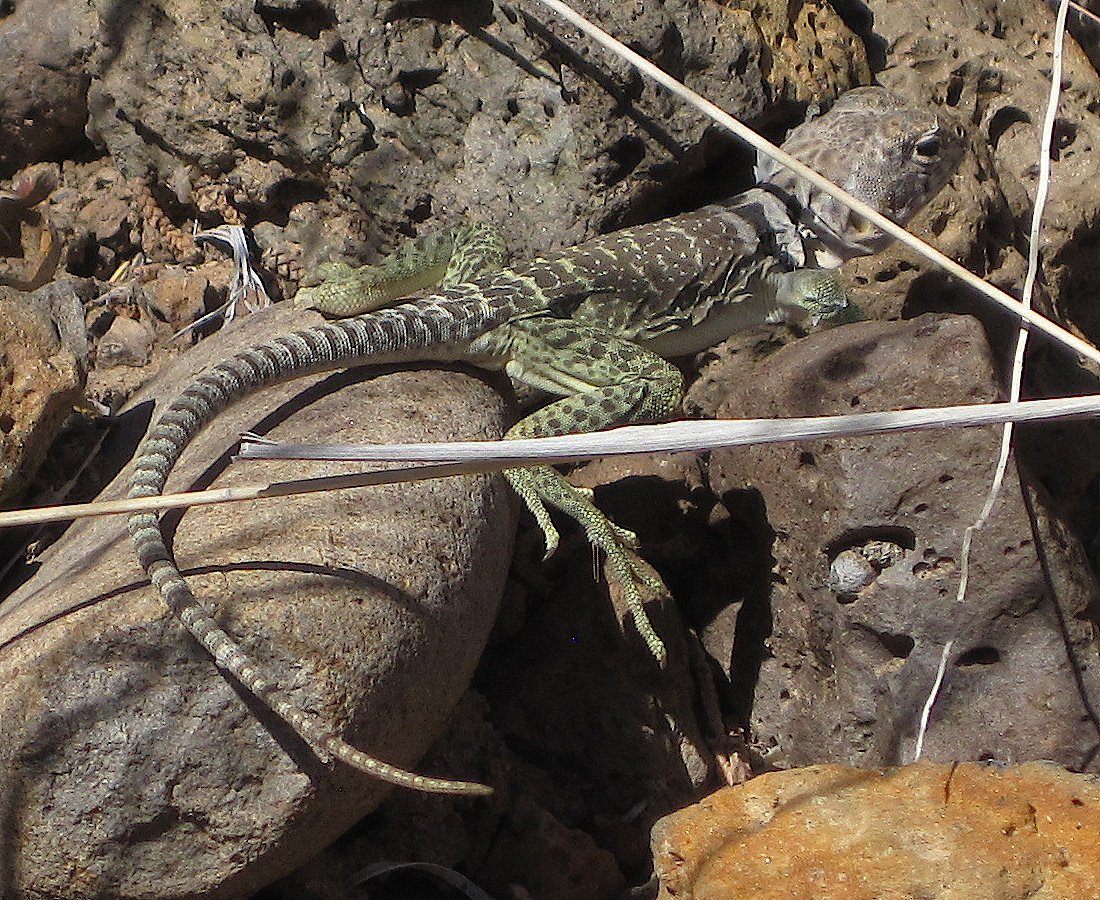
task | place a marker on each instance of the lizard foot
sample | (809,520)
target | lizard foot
(541,485)
(527,488)
(636,579)
(320,286)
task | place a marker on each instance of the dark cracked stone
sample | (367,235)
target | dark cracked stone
(837,659)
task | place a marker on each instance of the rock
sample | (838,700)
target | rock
(425,115)
(126,343)
(40,380)
(42,85)
(991,64)
(552,862)
(417,826)
(840,672)
(146,765)
(953,832)
(62,302)
(179,294)
(28,243)
(99,217)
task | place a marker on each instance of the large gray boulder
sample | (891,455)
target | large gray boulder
(129,765)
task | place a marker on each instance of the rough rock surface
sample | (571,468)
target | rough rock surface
(127,342)
(425,114)
(41,378)
(130,766)
(953,832)
(42,84)
(990,62)
(341,129)
(834,660)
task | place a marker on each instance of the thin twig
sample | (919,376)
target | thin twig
(926,712)
(1041,192)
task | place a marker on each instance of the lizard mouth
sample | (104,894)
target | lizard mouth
(831,243)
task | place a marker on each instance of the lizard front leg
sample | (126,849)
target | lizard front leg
(607,381)
(807,298)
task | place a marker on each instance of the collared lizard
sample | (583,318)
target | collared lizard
(590,324)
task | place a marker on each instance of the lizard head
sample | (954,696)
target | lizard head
(878,147)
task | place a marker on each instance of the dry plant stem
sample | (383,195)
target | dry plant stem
(466,457)
(926,712)
(672,437)
(1041,192)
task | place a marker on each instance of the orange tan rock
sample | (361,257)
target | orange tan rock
(949,831)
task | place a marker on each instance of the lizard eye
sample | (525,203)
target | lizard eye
(928,147)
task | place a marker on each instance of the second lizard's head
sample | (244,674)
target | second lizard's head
(878,147)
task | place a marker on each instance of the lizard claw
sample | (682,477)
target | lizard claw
(633,577)
(625,536)
(550,536)
(540,485)
(525,485)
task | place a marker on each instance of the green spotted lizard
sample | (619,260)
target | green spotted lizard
(591,325)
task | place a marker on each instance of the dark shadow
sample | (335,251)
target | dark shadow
(706,559)
(1076,264)
(755,621)
(117,19)
(306,17)
(353,576)
(859,18)
(711,554)
(1091,613)
(857,537)
(469,14)
(116,447)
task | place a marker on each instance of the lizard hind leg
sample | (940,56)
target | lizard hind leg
(477,248)
(540,486)
(606,381)
(441,259)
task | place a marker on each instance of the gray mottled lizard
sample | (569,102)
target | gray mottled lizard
(589,324)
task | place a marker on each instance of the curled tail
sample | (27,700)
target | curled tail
(411,331)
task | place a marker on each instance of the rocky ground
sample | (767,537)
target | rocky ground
(815,584)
